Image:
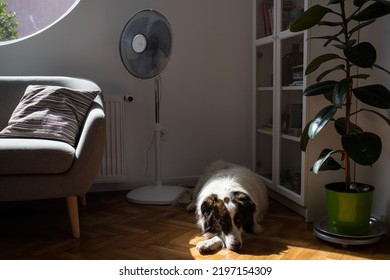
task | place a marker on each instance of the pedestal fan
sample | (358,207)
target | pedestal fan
(145,49)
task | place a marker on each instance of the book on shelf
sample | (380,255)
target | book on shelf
(268,13)
(293,116)
(290,11)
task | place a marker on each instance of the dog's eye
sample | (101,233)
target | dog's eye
(237,220)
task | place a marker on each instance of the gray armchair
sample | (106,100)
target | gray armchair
(33,169)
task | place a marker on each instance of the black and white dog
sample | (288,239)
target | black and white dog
(230,200)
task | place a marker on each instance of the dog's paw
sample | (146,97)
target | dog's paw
(210,245)
(257,228)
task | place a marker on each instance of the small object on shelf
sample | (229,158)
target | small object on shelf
(292,119)
(296,83)
(291,62)
(297,75)
(295,132)
(293,14)
(267,127)
(291,182)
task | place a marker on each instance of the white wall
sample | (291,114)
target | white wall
(378,175)
(206,106)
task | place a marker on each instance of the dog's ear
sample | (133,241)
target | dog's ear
(245,210)
(243,200)
(208,204)
(215,215)
(207,209)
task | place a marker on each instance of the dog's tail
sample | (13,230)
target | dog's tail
(184,199)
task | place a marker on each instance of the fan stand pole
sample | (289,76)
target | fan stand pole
(158,193)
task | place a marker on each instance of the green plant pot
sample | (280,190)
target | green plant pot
(348,212)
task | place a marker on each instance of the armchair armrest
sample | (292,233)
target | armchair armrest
(90,147)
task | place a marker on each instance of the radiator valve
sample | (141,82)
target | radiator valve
(128,98)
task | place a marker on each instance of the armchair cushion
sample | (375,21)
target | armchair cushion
(34,156)
(50,112)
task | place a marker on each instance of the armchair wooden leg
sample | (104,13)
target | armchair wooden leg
(71,202)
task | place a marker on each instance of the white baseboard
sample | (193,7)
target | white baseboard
(132,184)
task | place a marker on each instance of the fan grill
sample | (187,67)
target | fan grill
(146,44)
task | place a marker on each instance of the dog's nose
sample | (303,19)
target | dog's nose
(236,246)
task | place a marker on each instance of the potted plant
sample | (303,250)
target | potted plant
(361,147)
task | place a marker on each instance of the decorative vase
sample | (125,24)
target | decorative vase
(349,212)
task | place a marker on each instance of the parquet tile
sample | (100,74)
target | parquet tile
(112,228)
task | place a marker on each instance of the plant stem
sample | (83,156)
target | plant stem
(348,102)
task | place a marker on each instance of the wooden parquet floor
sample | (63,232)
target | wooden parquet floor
(114,229)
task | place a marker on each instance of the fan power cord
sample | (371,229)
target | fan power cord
(159,78)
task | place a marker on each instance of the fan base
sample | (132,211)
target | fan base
(154,194)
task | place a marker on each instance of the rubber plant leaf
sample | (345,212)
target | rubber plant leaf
(320,88)
(327,38)
(360,26)
(375,10)
(340,126)
(386,119)
(334,2)
(309,18)
(362,55)
(326,162)
(304,138)
(329,96)
(375,95)
(315,63)
(360,76)
(325,73)
(359,3)
(382,68)
(330,23)
(385,2)
(321,120)
(351,43)
(340,92)
(334,38)
(362,147)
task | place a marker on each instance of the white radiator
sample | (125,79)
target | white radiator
(113,167)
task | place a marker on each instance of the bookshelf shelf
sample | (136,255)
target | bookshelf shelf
(267,89)
(290,137)
(264,131)
(293,88)
(283,135)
